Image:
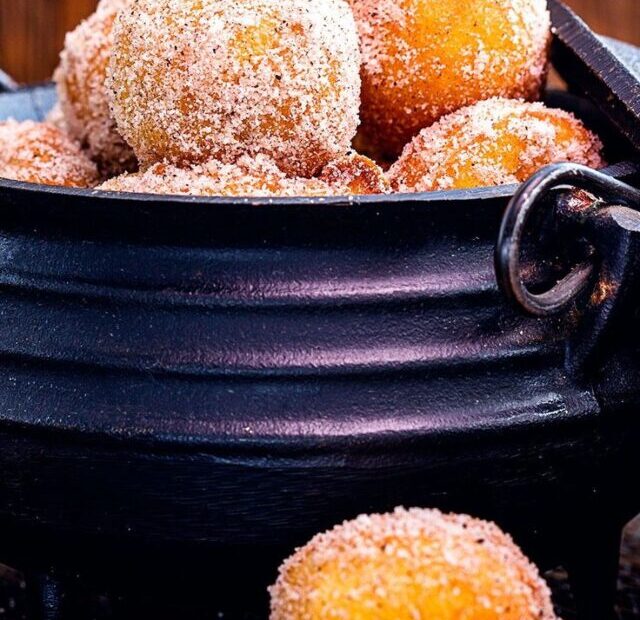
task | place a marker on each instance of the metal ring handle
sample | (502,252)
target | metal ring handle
(525,200)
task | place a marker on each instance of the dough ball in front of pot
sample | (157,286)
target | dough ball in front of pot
(193,80)
(410,564)
(423,59)
(494,142)
(41,153)
(83,96)
(250,176)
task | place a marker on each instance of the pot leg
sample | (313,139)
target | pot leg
(50,597)
(45,595)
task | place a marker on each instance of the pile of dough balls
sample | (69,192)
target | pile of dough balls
(265,97)
(410,564)
(423,59)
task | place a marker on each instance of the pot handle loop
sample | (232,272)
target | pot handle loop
(607,214)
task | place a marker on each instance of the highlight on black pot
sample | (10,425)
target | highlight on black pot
(329,98)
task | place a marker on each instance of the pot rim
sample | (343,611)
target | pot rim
(465,195)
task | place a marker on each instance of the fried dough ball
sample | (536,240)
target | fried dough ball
(56,117)
(41,153)
(423,59)
(363,145)
(83,95)
(117,5)
(410,564)
(356,174)
(494,142)
(250,176)
(193,80)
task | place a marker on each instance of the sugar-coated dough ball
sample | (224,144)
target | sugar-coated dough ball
(494,142)
(117,5)
(41,153)
(248,176)
(363,145)
(193,80)
(252,176)
(410,564)
(56,117)
(83,95)
(426,58)
(355,174)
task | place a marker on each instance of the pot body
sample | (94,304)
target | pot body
(206,379)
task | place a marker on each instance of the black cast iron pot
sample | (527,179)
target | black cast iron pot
(190,388)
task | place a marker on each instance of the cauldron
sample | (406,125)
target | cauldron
(189,388)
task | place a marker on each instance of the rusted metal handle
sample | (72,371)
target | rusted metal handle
(530,196)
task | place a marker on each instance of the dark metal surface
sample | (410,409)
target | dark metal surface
(530,196)
(592,68)
(625,53)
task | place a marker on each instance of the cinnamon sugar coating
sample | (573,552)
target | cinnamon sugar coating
(56,117)
(494,142)
(193,80)
(41,153)
(251,176)
(356,174)
(82,93)
(410,564)
(117,5)
(423,59)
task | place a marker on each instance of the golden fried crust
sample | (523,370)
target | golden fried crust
(494,142)
(279,77)
(83,96)
(423,59)
(41,153)
(371,149)
(410,564)
(250,176)
(356,174)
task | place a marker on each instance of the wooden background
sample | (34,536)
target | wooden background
(32,31)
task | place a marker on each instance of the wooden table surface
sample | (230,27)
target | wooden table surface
(32,31)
